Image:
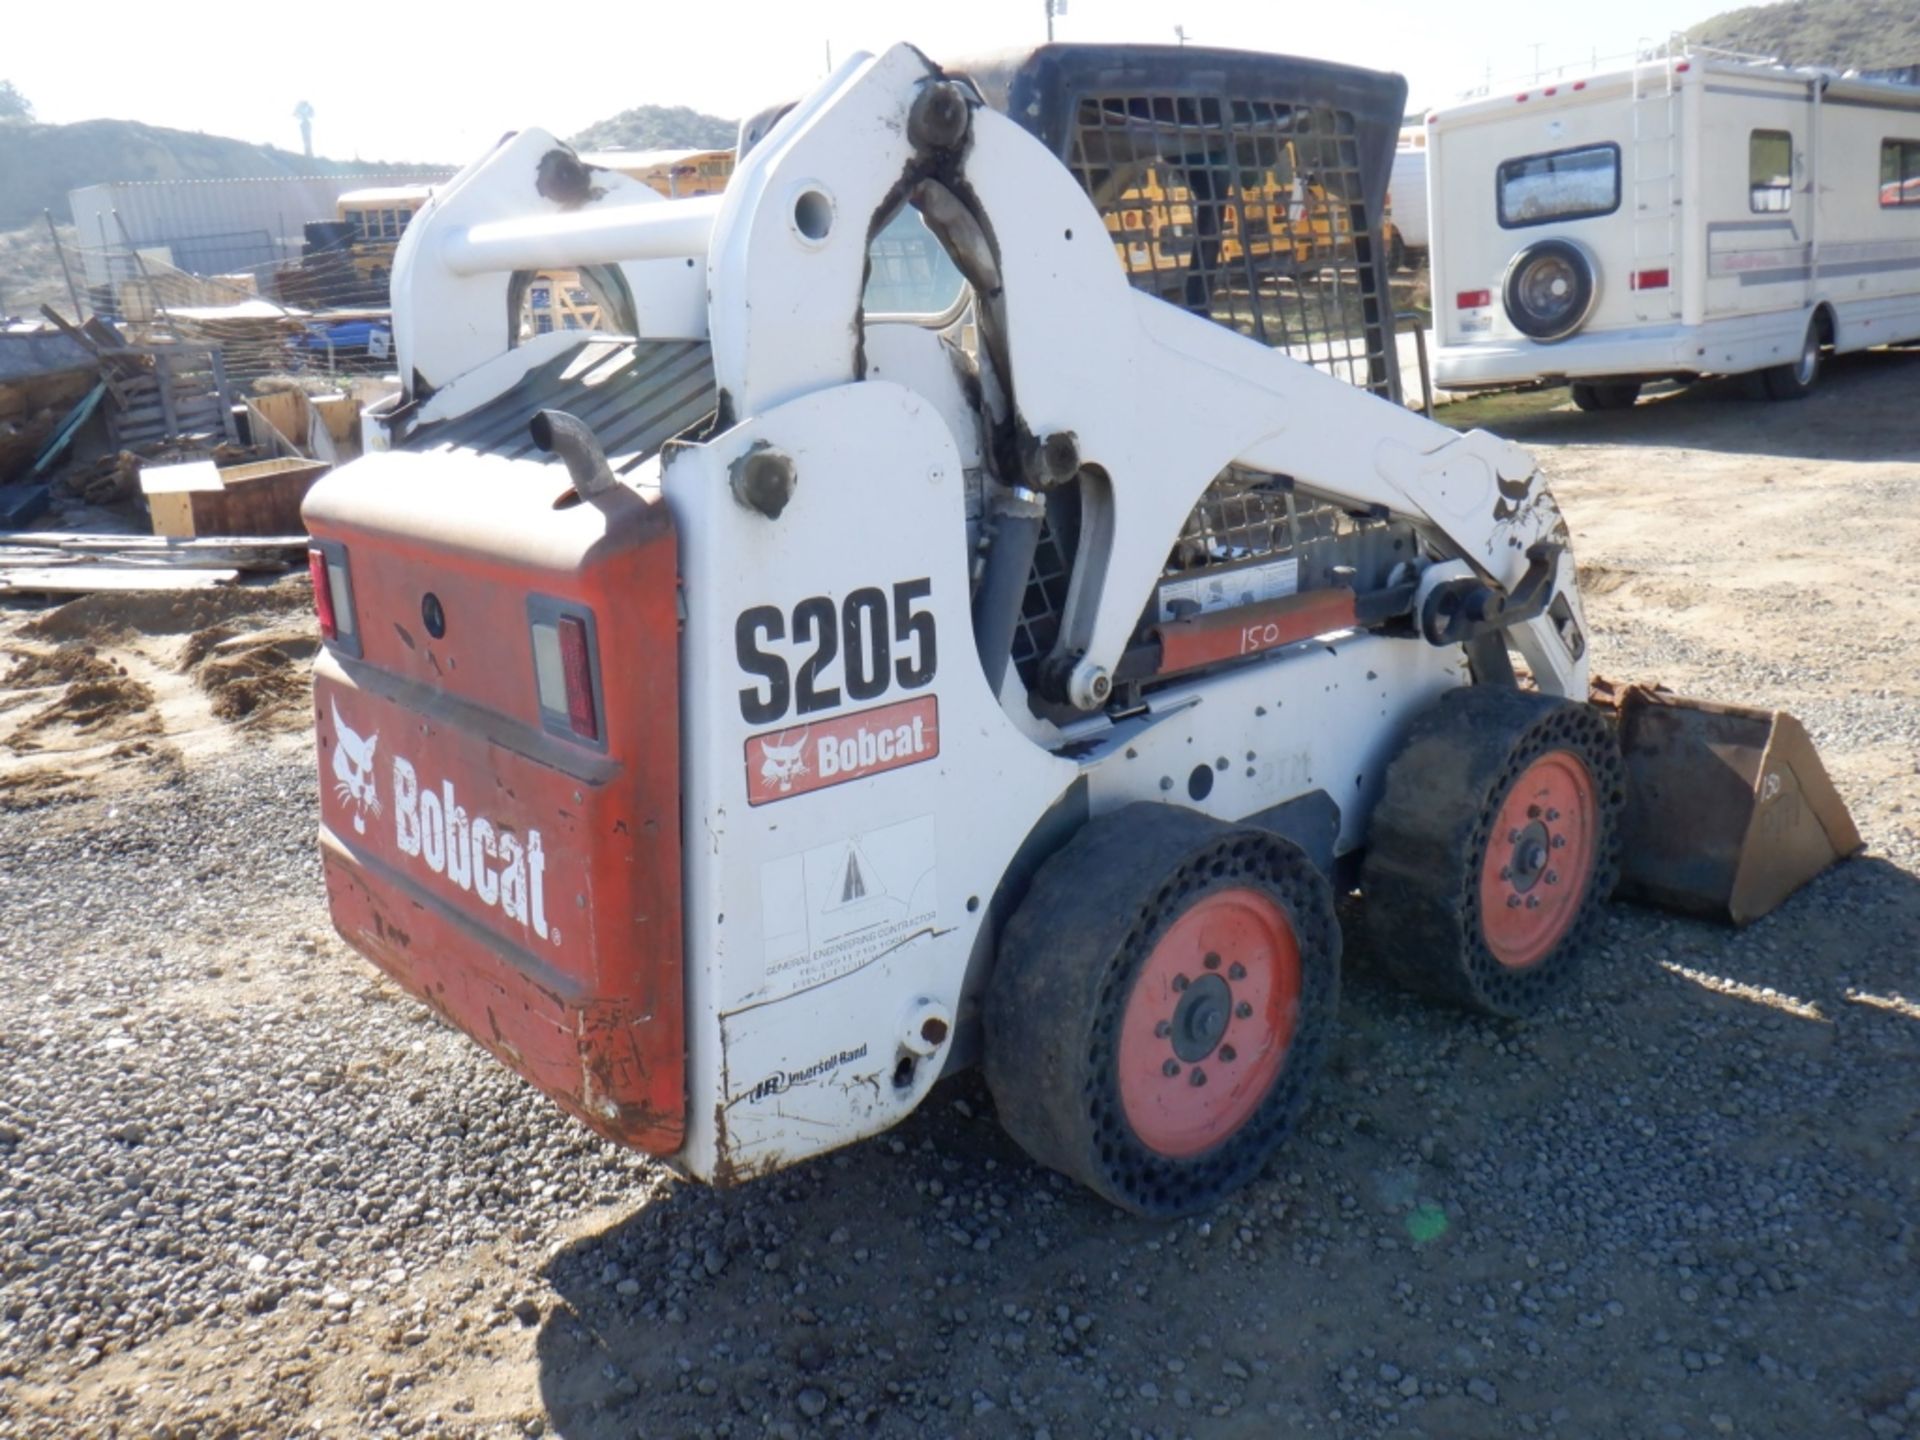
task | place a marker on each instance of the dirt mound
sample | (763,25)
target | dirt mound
(103,616)
(98,710)
(256,679)
(38,669)
(62,782)
(98,699)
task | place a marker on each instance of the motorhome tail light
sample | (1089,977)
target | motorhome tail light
(1472,299)
(333,595)
(1520,98)
(1550,90)
(1650,280)
(1579,84)
(1684,66)
(564,662)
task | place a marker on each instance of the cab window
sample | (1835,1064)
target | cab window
(909,271)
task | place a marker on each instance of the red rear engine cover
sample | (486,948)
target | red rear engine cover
(522,881)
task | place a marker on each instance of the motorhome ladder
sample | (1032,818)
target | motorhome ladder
(1654,171)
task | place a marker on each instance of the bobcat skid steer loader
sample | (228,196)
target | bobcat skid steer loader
(912,640)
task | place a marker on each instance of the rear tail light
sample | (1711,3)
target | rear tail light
(578,664)
(333,595)
(322,594)
(1473,299)
(564,653)
(1650,280)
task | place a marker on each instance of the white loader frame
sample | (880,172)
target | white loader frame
(798,1035)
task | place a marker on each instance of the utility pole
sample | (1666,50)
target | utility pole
(1054,7)
(1536,62)
(303,112)
(1180,33)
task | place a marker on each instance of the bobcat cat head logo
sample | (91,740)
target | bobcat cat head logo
(781,765)
(353,771)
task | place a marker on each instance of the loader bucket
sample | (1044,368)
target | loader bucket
(1729,810)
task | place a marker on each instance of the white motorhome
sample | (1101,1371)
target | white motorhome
(1407,204)
(1692,215)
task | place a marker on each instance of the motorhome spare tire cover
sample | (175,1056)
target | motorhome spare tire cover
(1549,289)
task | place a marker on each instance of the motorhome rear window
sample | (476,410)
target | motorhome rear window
(1769,171)
(1559,185)
(1899,173)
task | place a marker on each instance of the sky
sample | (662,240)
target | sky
(441,83)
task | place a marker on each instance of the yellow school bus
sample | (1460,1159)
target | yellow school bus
(556,299)
(676,174)
(379,217)
(1158,222)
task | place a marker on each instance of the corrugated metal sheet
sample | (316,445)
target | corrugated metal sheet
(213,226)
(635,394)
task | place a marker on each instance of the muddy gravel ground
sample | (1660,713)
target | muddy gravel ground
(247,1188)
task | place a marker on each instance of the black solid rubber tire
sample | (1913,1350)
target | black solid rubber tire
(1420,878)
(1594,395)
(1067,960)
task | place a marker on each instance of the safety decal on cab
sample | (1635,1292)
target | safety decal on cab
(804,758)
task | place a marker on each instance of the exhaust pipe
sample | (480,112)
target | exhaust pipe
(572,439)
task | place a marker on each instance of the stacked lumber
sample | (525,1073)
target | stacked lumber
(49,562)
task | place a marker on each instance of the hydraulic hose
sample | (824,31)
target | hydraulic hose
(1003,588)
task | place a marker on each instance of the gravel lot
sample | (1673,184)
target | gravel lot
(247,1188)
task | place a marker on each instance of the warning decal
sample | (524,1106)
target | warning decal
(1213,590)
(827,911)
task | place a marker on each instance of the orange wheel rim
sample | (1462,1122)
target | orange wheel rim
(1539,859)
(1208,1022)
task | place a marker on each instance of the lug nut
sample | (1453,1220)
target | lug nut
(1553,877)
(1198,1077)
(1163,1029)
(1236,971)
(1212,962)
(1172,1067)
(1513,837)
(1533,812)
(1513,902)
(1553,814)
(1179,982)
(1533,902)
(1228,1053)
(1506,872)
(1243,1010)
(1559,842)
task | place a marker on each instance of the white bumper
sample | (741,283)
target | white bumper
(1648,351)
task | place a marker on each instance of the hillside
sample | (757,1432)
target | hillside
(1847,34)
(658,127)
(39,164)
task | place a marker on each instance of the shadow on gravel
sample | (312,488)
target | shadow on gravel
(1863,409)
(850,1291)
(933,1282)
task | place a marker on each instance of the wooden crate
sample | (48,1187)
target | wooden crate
(201,499)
